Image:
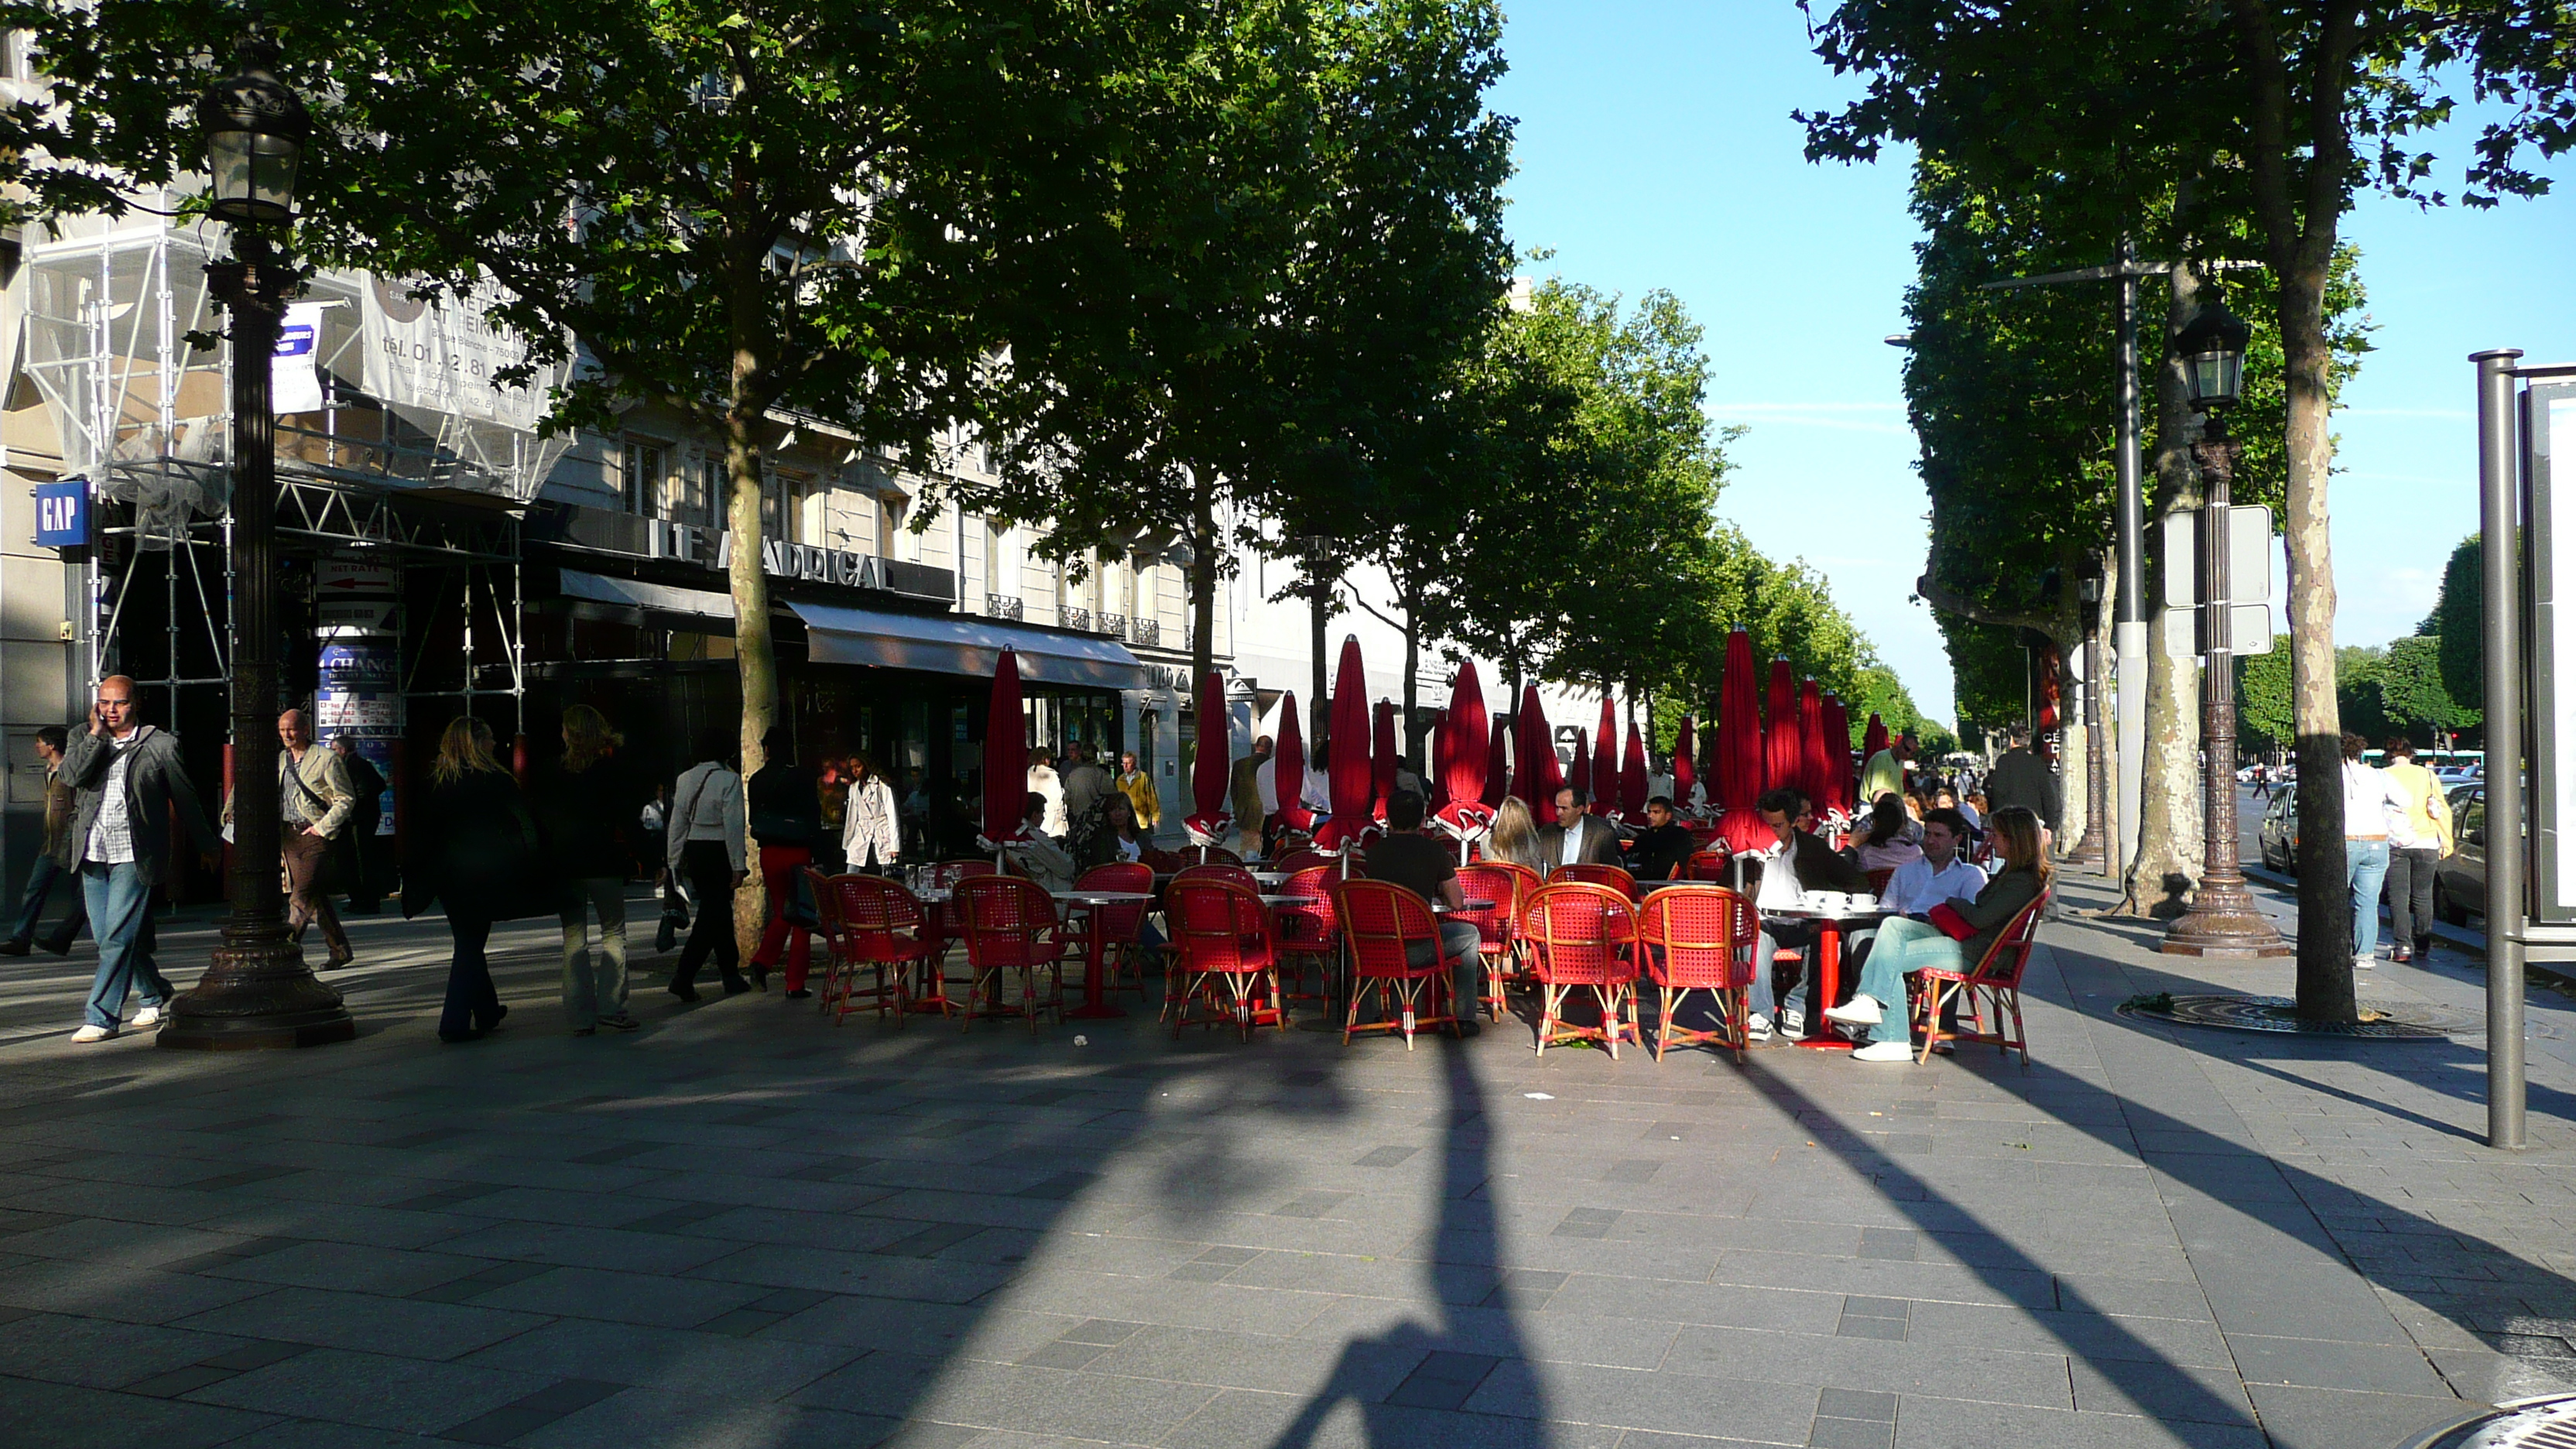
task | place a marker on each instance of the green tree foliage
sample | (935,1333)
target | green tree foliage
(2264,721)
(2417,696)
(2459,620)
(2359,670)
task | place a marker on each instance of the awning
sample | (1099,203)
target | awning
(950,644)
(660,598)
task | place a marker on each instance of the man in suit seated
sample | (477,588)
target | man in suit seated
(1798,862)
(1578,837)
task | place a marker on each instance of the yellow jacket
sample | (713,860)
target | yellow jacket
(2427,821)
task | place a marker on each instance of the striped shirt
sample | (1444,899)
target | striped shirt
(111,837)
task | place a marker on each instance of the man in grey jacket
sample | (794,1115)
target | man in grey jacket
(128,777)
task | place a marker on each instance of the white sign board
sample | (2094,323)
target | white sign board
(2249,631)
(340,578)
(2249,557)
(294,381)
(2552,430)
(443,357)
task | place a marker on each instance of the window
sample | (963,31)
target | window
(889,525)
(702,495)
(784,505)
(993,580)
(647,469)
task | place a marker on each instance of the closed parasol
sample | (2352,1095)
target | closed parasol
(1462,746)
(1782,763)
(1529,744)
(1632,776)
(1605,760)
(1579,773)
(1382,759)
(1811,745)
(1289,766)
(1349,767)
(1685,770)
(1006,755)
(1498,762)
(1874,738)
(1838,759)
(1210,770)
(1739,756)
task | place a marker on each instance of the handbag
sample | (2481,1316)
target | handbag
(1951,923)
(675,918)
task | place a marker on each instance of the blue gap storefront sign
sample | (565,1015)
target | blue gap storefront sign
(62,514)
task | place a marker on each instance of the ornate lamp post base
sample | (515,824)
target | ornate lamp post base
(2223,924)
(256,996)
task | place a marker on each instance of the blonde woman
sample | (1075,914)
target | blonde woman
(474,850)
(585,804)
(1954,936)
(1514,839)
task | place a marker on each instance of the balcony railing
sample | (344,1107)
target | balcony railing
(1002,606)
(1145,631)
(1078,620)
(1113,625)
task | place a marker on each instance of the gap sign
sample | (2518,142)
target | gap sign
(62,514)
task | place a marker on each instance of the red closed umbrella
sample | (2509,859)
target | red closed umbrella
(1006,753)
(1781,760)
(1632,777)
(1289,766)
(1581,776)
(1350,762)
(1811,744)
(1535,776)
(1838,758)
(1685,773)
(1740,765)
(1382,758)
(1209,772)
(1498,762)
(1605,761)
(1461,742)
(1874,738)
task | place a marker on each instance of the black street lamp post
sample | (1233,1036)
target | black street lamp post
(2223,920)
(257,991)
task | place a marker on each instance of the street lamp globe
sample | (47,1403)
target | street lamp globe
(2212,348)
(255,133)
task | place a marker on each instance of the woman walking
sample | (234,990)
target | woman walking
(2419,836)
(583,804)
(1954,936)
(704,847)
(872,824)
(786,818)
(474,850)
(2370,800)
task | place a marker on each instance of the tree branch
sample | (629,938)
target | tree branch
(2051,624)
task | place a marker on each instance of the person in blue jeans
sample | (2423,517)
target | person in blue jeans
(2369,798)
(54,863)
(127,778)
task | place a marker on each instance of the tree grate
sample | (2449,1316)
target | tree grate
(2381,1021)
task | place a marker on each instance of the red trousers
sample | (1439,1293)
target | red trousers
(778,867)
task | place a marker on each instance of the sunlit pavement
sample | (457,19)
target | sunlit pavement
(743,1226)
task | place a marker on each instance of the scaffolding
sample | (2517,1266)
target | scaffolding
(119,345)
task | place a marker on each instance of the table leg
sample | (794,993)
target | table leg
(1822,991)
(1094,1006)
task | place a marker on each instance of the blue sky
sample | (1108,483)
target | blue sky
(1656,150)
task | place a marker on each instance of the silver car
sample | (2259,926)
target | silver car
(2460,882)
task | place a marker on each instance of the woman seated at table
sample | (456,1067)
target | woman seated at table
(1106,834)
(1514,838)
(1890,839)
(1954,936)
(1037,856)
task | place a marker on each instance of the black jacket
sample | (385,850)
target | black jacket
(2021,778)
(1659,851)
(1600,844)
(474,847)
(781,805)
(585,815)
(156,781)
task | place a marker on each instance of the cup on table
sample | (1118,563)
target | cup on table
(1832,902)
(1864,902)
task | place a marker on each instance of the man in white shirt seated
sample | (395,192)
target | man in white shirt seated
(1942,874)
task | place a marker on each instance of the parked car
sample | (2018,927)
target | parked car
(2277,839)
(2460,882)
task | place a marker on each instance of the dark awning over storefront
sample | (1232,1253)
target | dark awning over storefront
(658,598)
(970,646)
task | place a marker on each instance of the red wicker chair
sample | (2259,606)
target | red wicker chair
(1879,878)
(1381,922)
(1230,874)
(1119,925)
(1583,938)
(1297,860)
(1010,926)
(1225,954)
(1707,865)
(1617,878)
(1999,976)
(1700,938)
(941,916)
(1309,931)
(1506,885)
(873,928)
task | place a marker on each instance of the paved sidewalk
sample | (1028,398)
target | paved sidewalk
(744,1227)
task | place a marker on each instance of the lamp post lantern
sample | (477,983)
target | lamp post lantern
(257,991)
(2223,921)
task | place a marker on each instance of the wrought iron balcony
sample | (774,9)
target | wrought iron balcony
(1145,631)
(1002,606)
(1078,620)
(1113,625)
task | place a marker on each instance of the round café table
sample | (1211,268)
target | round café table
(1830,926)
(1095,1007)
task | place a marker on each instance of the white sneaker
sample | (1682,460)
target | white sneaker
(1757,1028)
(1793,1023)
(93,1033)
(148,1016)
(2364,963)
(1862,1010)
(1883,1051)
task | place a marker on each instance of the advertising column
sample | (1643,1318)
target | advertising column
(360,697)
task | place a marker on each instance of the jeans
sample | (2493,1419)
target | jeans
(31,906)
(1461,942)
(2365,865)
(591,992)
(778,867)
(472,1004)
(1777,936)
(1904,946)
(709,868)
(2410,894)
(120,914)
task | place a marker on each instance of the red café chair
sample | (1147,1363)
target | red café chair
(1506,885)
(1224,952)
(1999,976)
(1879,878)
(1700,938)
(1210,855)
(1708,865)
(876,942)
(1381,923)
(1297,860)
(1231,874)
(1617,878)
(1583,937)
(1310,930)
(939,916)
(1010,926)
(1119,924)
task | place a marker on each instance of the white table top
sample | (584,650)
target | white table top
(1100,898)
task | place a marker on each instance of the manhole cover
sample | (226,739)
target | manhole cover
(2381,1021)
(2545,1423)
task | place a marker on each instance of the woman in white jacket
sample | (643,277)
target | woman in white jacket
(871,827)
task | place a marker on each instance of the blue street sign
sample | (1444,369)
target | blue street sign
(62,514)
